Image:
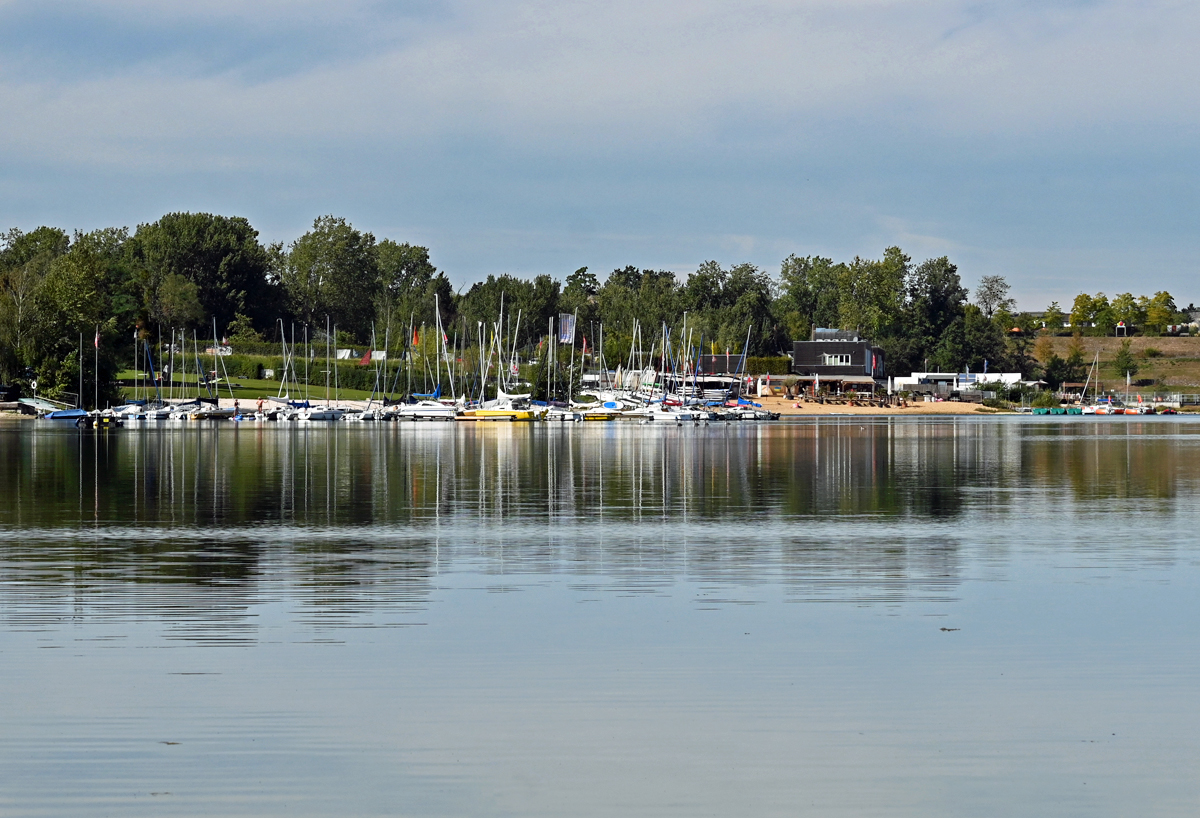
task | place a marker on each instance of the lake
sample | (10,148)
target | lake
(845,616)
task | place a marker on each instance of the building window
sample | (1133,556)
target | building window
(835,360)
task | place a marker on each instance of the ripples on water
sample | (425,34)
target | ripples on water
(600,619)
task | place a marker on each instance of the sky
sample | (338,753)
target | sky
(1051,142)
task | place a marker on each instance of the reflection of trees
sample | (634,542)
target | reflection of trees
(358,516)
(1110,460)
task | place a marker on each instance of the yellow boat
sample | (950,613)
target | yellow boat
(498,414)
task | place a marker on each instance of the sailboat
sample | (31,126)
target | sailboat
(327,412)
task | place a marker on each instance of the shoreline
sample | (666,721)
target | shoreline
(787,407)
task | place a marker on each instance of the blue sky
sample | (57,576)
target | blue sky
(1050,142)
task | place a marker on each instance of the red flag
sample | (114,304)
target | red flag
(416,338)
(366,358)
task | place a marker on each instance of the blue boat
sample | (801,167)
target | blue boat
(65,414)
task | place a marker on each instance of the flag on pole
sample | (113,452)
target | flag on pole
(366,358)
(97,337)
(566,328)
(416,338)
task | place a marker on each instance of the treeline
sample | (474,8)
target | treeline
(193,270)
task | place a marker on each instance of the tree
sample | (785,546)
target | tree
(1018,344)
(809,294)
(579,296)
(1123,363)
(652,297)
(177,303)
(971,343)
(403,268)
(409,288)
(532,302)
(1159,311)
(25,261)
(935,299)
(220,255)
(873,294)
(332,271)
(1083,312)
(1054,318)
(1126,308)
(1075,365)
(582,282)
(723,304)
(242,329)
(84,292)
(992,294)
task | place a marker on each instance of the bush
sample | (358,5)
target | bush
(768,366)
(1151,352)
(1045,400)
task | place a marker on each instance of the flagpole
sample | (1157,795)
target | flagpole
(96,385)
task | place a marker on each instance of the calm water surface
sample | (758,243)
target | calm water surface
(933,617)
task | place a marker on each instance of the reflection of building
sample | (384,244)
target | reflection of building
(840,359)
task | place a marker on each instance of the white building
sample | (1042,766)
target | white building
(943,383)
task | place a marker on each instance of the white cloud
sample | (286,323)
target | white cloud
(657,121)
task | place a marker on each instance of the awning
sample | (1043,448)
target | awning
(864,379)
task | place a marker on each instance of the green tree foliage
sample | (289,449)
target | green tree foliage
(1124,363)
(992,295)
(1083,312)
(1126,308)
(25,260)
(409,289)
(935,305)
(332,271)
(185,269)
(810,292)
(1093,315)
(651,297)
(1158,310)
(1054,318)
(1018,344)
(579,296)
(873,294)
(220,256)
(1075,364)
(177,303)
(86,292)
(531,302)
(724,305)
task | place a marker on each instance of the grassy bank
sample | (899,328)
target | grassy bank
(1172,364)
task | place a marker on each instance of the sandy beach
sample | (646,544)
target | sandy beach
(788,406)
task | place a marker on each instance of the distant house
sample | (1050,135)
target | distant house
(839,357)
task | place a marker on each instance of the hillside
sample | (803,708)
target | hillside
(1172,363)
